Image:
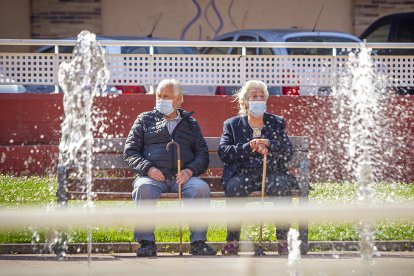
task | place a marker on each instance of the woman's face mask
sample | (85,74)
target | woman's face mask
(164,106)
(257,108)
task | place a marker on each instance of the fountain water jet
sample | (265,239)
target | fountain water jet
(81,80)
(362,98)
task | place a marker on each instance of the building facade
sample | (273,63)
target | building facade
(186,19)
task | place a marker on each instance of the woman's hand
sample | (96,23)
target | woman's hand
(262,149)
(260,145)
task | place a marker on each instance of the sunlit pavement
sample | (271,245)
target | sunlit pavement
(321,263)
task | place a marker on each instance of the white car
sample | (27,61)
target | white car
(10,88)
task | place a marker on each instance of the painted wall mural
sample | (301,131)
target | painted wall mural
(209,16)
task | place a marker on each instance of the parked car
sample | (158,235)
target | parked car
(127,89)
(280,35)
(11,88)
(396,28)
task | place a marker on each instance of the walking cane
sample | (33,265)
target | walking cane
(259,251)
(180,230)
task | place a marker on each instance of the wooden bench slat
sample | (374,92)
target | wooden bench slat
(164,196)
(109,145)
(112,161)
(125,184)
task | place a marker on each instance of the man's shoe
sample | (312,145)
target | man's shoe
(282,248)
(200,248)
(147,249)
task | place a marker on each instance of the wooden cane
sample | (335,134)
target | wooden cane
(180,229)
(262,197)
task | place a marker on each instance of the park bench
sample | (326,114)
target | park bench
(112,179)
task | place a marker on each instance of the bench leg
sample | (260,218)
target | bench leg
(58,238)
(62,179)
(303,230)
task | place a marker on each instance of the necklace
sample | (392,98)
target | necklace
(257,131)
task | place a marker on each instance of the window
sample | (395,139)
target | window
(135,50)
(218,50)
(405,31)
(249,51)
(159,50)
(264,51)
(380,34)
(317,51)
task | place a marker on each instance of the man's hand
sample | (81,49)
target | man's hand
(260,145)
(184,176)
(156,174)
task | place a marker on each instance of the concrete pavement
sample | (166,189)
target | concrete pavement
(323,263)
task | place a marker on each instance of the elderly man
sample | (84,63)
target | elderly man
(146,154)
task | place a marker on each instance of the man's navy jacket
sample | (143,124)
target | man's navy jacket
(145,146)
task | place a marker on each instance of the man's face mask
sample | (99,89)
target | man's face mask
(257,108)
(164,106)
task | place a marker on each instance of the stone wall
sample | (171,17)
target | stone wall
(61,18)
(367,11)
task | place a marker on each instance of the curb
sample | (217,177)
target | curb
(129,247)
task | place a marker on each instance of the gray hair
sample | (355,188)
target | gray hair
(243,94)
(178,90)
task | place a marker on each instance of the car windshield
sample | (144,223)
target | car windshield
(316,51)
(132,50)
(159,50)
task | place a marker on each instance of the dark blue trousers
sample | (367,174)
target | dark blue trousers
(246,182)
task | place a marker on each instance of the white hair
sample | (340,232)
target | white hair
(178,90)
(243,95)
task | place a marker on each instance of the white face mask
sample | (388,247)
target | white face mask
(257,108)
(164,106)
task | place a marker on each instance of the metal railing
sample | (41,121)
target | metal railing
(202,70)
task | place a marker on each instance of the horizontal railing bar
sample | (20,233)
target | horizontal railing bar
(178,43)
(199,215)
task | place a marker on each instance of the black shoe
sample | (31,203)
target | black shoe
(230,249)
(200,248)
(304,248)
(147,249)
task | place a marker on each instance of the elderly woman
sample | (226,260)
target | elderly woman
(246,138)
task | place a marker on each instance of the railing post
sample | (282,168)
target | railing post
(243,68)
(151,69)
(335,71)
(56,68)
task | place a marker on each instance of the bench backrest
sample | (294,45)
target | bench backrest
(113,178)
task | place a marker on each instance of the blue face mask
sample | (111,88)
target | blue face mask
(164,106)
(257,108)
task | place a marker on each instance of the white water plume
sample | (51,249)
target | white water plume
(81,80)
(294,247)
(362,98)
